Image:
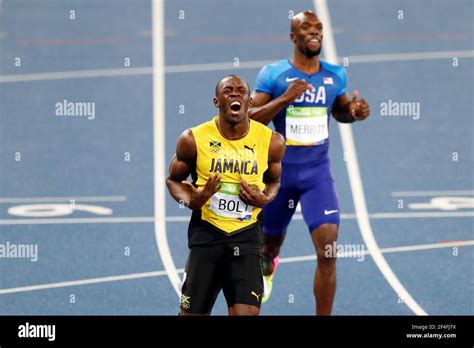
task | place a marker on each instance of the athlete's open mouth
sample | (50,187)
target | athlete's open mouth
(235,105)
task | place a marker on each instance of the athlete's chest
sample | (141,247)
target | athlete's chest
(234,159)
(243,157)
(305,121)
(323,93)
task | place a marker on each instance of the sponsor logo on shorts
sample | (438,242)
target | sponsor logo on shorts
(185,301)
(328,212)
(256,295)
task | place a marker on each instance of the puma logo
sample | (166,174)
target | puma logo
(256,295)
(250,148)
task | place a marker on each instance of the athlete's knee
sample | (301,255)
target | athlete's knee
(327,259)
(324,239)
(327,263)
(243,309)
(326,231)
(324,234)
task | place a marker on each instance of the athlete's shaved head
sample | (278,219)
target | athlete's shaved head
(298,19)
(231,76)
(307,34)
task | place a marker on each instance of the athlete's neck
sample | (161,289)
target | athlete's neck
(232,131)
(303,63)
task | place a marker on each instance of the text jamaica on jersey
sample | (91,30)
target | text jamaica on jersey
(233,161)
(233,166)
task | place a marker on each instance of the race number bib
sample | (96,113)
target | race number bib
(306,126)
(227,203)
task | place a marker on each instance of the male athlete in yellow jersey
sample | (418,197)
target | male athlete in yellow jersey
(235,165)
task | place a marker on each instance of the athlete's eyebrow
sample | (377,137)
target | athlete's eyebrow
(318,24)
(233,86)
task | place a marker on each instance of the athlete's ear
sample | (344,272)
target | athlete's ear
(292,37)
(216,102)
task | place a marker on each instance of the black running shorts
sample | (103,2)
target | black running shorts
(234,267)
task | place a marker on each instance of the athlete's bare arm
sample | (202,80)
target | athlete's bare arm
(251,194)
(346,110)
(182,164)
(263,109)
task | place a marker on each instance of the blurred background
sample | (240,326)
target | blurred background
(83,151)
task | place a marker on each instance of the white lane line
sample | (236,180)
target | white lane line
(63,199)
(151,219)
(394,57)
(405,215)
(76,74)
(158,32)
(356,180)
(95,220)
(428,214)
(432,193)
(368,58)
(185,68)
(427,246)
(256,64)
(384,251)
(181,270)
(83,282)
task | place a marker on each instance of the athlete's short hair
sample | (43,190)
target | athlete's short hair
(219,82)
(298,16)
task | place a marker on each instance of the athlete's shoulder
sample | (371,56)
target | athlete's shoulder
(334,68)
(338,73)
(277,147)
(205,126)
(269,74)
(278,66)
(273,70)
(261,128)
(186,146)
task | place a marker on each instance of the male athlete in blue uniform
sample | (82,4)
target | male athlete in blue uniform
(298,95)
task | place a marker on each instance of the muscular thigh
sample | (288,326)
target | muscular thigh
(242,277)
(202,281)
(320,204)
(278,213)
